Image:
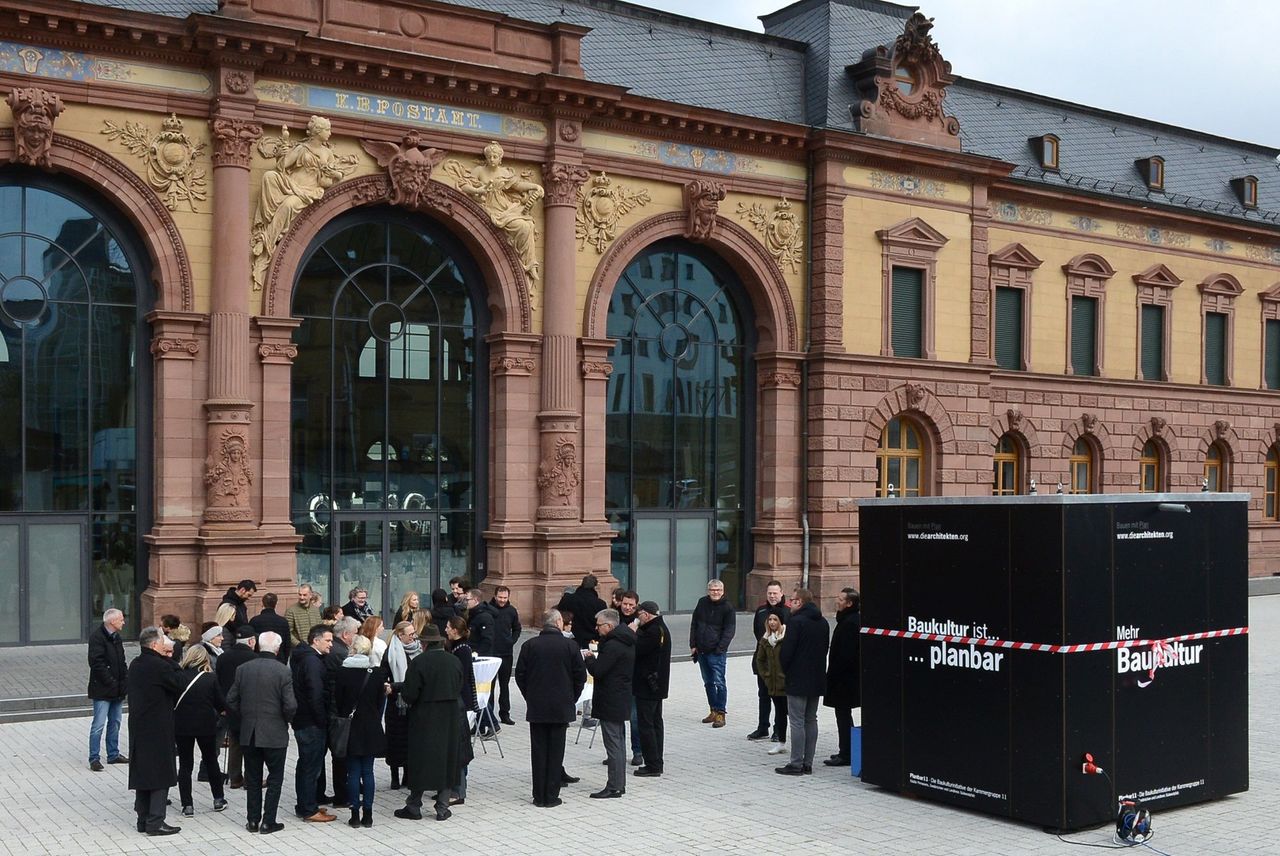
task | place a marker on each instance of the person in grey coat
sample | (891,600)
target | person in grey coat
(262,697)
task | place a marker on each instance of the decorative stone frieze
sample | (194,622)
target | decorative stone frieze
(34,111)
(508,199)
(170,157)
(409,166)
(702,198)
(600,207)
(780,230)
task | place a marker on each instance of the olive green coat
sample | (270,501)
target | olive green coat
(769,667)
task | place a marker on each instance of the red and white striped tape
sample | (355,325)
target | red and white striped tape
(1052,649)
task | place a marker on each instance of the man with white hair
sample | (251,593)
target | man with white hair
(344,633)
(108,686)
(261,696)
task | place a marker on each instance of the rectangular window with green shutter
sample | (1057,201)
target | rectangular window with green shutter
(1008,329)
(1215,348)
(1151,353)
(1084,335)
(1271,354)
(907,321)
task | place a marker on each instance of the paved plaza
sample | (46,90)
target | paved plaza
(719,795)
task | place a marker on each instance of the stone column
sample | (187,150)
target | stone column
(276,353)
(777,533)
(229,476)
(980,308)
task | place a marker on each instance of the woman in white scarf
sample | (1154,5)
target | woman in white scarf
(404,646)
(769,668)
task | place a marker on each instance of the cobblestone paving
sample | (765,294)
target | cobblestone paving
(719,795)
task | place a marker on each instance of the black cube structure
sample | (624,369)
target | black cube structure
(1005,637)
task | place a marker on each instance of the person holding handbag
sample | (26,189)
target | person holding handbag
(359,693)
(195,721)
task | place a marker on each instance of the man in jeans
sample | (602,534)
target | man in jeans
(710,633)
(804,662)
(108,686)
(311,722)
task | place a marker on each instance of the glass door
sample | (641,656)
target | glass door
(43,563)
(672,559)
(387,554)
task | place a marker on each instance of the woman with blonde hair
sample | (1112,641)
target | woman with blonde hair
(408,605)
(404,646)
(360,691)
(769,668)
(371,629)
(420,619)
(195,720)
(225,618)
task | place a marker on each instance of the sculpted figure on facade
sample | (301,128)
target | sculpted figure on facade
(228,476)
(780,230)
(170,157)
(303,172)
(409,166)
(558,478)
(508,199)
(702,198)
(600,207)
(33,113)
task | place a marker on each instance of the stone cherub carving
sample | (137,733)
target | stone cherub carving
(33,113)
(508,199)
(303,172)
(228,478)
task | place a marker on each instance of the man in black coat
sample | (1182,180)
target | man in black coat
(550,675)
(108,686)
(710,632)
(612,667)
(344,633)
(311,722)
(271,621)
(482,622)
(232,658)
(804,659)
(155,682)
(772,605)
(238,596)
(650,685)
(506,633)
(262,699)
(844,689)
(584,603)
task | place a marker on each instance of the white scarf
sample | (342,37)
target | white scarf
(397,660)
(775,638)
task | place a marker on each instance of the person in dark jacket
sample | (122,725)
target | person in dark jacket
(262,697)
(613,666)
(804,659)
(773,605)
(457,644)
(172,627)
(345,630)
(195,722)
(482,619)
(844,689)
(155,682)
(584,603)
(433,690)
(506,633)
(458,588)
(359,692)
(357,605)
(238,596)
(442,610)
(550,675)
(270,621)
(710,632)
(233,657)
(650,685)
(108,686)
(311,722)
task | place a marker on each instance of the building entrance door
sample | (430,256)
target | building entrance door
(388,554)
(673,558)
(43,568)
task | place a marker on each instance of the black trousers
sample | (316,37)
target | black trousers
(504,687)
(652,731)
(254,758)
(208,759)
(150,808)
(546,753)
(762,724)
(414,802)
(844,722)
(339,780)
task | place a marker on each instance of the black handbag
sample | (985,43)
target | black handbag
(340,726)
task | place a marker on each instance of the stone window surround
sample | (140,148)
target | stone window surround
(1087,276)
(915,244)
(1270,300)
(1012,267)
(1218,293)
(1155,287)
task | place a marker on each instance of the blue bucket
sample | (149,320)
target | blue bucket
(855,750)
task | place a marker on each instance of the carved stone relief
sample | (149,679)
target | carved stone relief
(780,230)
(702,198)
(33,113)
(232,139)
(303,172)
(512,365)
(781,380)
(508,199)
(915,395)
(1014,416)
(1158,424)
(166,346)
(1221,428)
(1088,422)
(560,476)
(227,478)
(597,369)
(600,207)
(170,157)
(409,166)
(563,181)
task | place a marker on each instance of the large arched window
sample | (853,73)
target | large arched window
(1151,468)
(1216,467)
(386,476)
(74,468)
(1007,467)
(679,483)
(1084,467)
(900,459)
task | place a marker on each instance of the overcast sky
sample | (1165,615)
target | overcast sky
(1211,66)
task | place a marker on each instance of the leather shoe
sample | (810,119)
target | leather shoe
(251,827)
(570,780)
(553,803)
(836,761)
(443,814)
(605,761)
(646,771)
(119,759)
(457,801)
(165,829)
(606,794)
(506,720)
(188,811)
(268,828)
(758,734)
(807,769)
(320,816)
(789,770)
(236,783)
(408,814)
(142,826)
(96,766)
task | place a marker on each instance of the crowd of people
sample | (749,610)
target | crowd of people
(356,692)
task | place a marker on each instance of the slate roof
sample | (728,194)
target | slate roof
(168,8)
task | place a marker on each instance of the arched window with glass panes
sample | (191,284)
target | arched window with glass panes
(1007,467)
(1151,468)
(1216,460)
(1083,465)
(900,460)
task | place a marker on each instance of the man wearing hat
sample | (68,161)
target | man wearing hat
(233,657)
(650,684)
(433,689)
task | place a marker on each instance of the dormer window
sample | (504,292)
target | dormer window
(1046,149)
(1152,170)
(1246,189)
(906,79)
